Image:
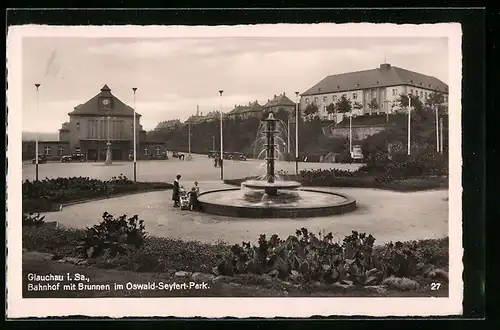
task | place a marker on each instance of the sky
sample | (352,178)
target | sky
(175,75)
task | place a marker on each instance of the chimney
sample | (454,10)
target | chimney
(274,95)
(197,110)
(283,93)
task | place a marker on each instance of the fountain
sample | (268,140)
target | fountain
(272,197)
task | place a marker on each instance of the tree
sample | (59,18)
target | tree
(343,105)
(436,99)
(311,111)
(281,114)
(357,106)
(331,108)
(373,105)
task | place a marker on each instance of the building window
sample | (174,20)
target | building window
(307,100)
(60,151)
(394,92)
(354,96)
(315,100)
(421,94)
(157,151)
(324,109)
(48,151)
(374,94)
(325,99)
(146,151)
(411,91)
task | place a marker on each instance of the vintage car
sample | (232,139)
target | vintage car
(41,159)
(178,155)
(73,158)
(237,156)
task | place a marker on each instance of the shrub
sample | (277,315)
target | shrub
(48,194)
(305,257)
(113,236)
(30,219)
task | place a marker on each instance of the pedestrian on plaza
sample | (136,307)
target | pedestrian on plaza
(193,197)
(176,191)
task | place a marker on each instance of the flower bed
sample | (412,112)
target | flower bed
(329,178)
(47,195)
(303,258)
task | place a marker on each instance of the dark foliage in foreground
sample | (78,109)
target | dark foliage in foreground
(305,257)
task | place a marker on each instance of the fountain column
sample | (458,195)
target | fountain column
(270,159)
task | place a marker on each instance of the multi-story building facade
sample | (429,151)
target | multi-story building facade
(280,101)
(253,109)
(104,117)
(168,125)
(381,86)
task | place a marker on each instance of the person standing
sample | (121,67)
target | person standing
(176,191)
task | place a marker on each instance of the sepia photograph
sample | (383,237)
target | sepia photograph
(265,170)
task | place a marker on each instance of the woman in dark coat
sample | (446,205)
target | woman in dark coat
(175,192)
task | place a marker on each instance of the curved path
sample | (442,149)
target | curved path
(387,215)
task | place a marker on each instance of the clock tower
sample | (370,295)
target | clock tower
(105,99)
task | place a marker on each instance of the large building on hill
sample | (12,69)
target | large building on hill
(90,126)
(382,85)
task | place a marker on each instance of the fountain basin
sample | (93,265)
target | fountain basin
(310,203)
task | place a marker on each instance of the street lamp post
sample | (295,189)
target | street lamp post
(350,132)
(288,134)
(297,133)
(387,102)
(189,140)
(37,133)
(437,128)
(441,133)
(134,89)
(221,141)
(409,124)
(108,160)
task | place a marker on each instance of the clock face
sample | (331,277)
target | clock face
(105,102)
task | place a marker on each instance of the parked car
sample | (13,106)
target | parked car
(238,156)
(41,159)
(73,158)
(178,155)
(357,154)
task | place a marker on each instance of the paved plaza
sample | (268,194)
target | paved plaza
(200,168)
(389,216)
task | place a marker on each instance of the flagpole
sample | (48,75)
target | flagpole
(221,140)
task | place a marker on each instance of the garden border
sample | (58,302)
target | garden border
(82,201)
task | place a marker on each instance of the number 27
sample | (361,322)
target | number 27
(435,286)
